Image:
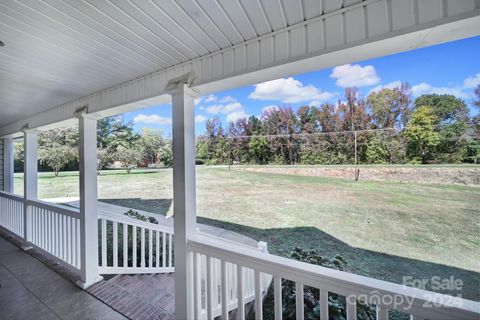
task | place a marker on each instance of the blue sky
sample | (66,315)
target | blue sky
(452,68)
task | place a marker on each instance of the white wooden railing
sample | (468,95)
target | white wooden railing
(237,261)
(55,229)
(154,254)
(11,213)
(225,274)
(129,245)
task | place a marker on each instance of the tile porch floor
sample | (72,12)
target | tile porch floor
(31,290)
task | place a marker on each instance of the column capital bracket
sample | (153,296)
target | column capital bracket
(82,113)
(25,128)
(182,84)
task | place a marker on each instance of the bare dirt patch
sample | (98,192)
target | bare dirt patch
(435,174)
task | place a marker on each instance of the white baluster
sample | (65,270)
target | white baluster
(299,307)
(224,290)
(69,240)
(125,245)
(196,286)
(157,248)
(277,286)
(74,243)
(323,304)
(78,244)
(209,289)
(351,308)
(115,243)
(240,294)
(134,247)
(142,248)
(150,249)
(164,250)
(382,313)
(104,242)
(258,296)
(170,249)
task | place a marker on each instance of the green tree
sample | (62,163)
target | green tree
(58,148)
(129,157)
(165,155)
(151,142)
(421,134)
(259,149)
(112,132)
(390,107)
(57,156)
(452,121)
(377,150)
(104,158)
(447,108)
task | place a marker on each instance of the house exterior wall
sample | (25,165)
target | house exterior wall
(358,31)
(1,165)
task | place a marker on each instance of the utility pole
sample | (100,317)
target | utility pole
(357,171)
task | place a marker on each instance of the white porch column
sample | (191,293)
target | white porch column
(184,197)
(30,173)
(88,199)
(8,165)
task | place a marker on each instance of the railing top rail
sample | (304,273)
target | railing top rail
(135,222)
(336,281)
(65,210)
(259,248)
(11,196)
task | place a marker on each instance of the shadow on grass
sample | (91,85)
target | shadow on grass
(123,172)
(360,261)
(157,206)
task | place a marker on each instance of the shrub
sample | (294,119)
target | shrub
(336,303)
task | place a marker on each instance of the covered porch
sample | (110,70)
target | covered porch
(98,60)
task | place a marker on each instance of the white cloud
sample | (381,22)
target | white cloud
(355,75)
(315,103)
(200,119)
(391,85)
(472,82)
(270,108)
(224,108)
(210,98)
(234,116)
(153,119)
(288,91)
(426,88)
(227,99)
(198,100)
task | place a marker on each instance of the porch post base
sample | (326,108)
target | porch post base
(85,285)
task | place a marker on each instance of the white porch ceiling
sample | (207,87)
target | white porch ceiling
(59,54)
(57,51)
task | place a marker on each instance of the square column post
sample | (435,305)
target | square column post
(30,177)
(88,199)
(184,191)
(8,165)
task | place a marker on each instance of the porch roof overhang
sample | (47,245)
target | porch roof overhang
(115,56)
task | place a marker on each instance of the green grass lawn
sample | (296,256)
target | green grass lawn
(385,230)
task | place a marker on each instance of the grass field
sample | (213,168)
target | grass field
(385,230)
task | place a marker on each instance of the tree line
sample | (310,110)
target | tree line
(386,127)
(117,142)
